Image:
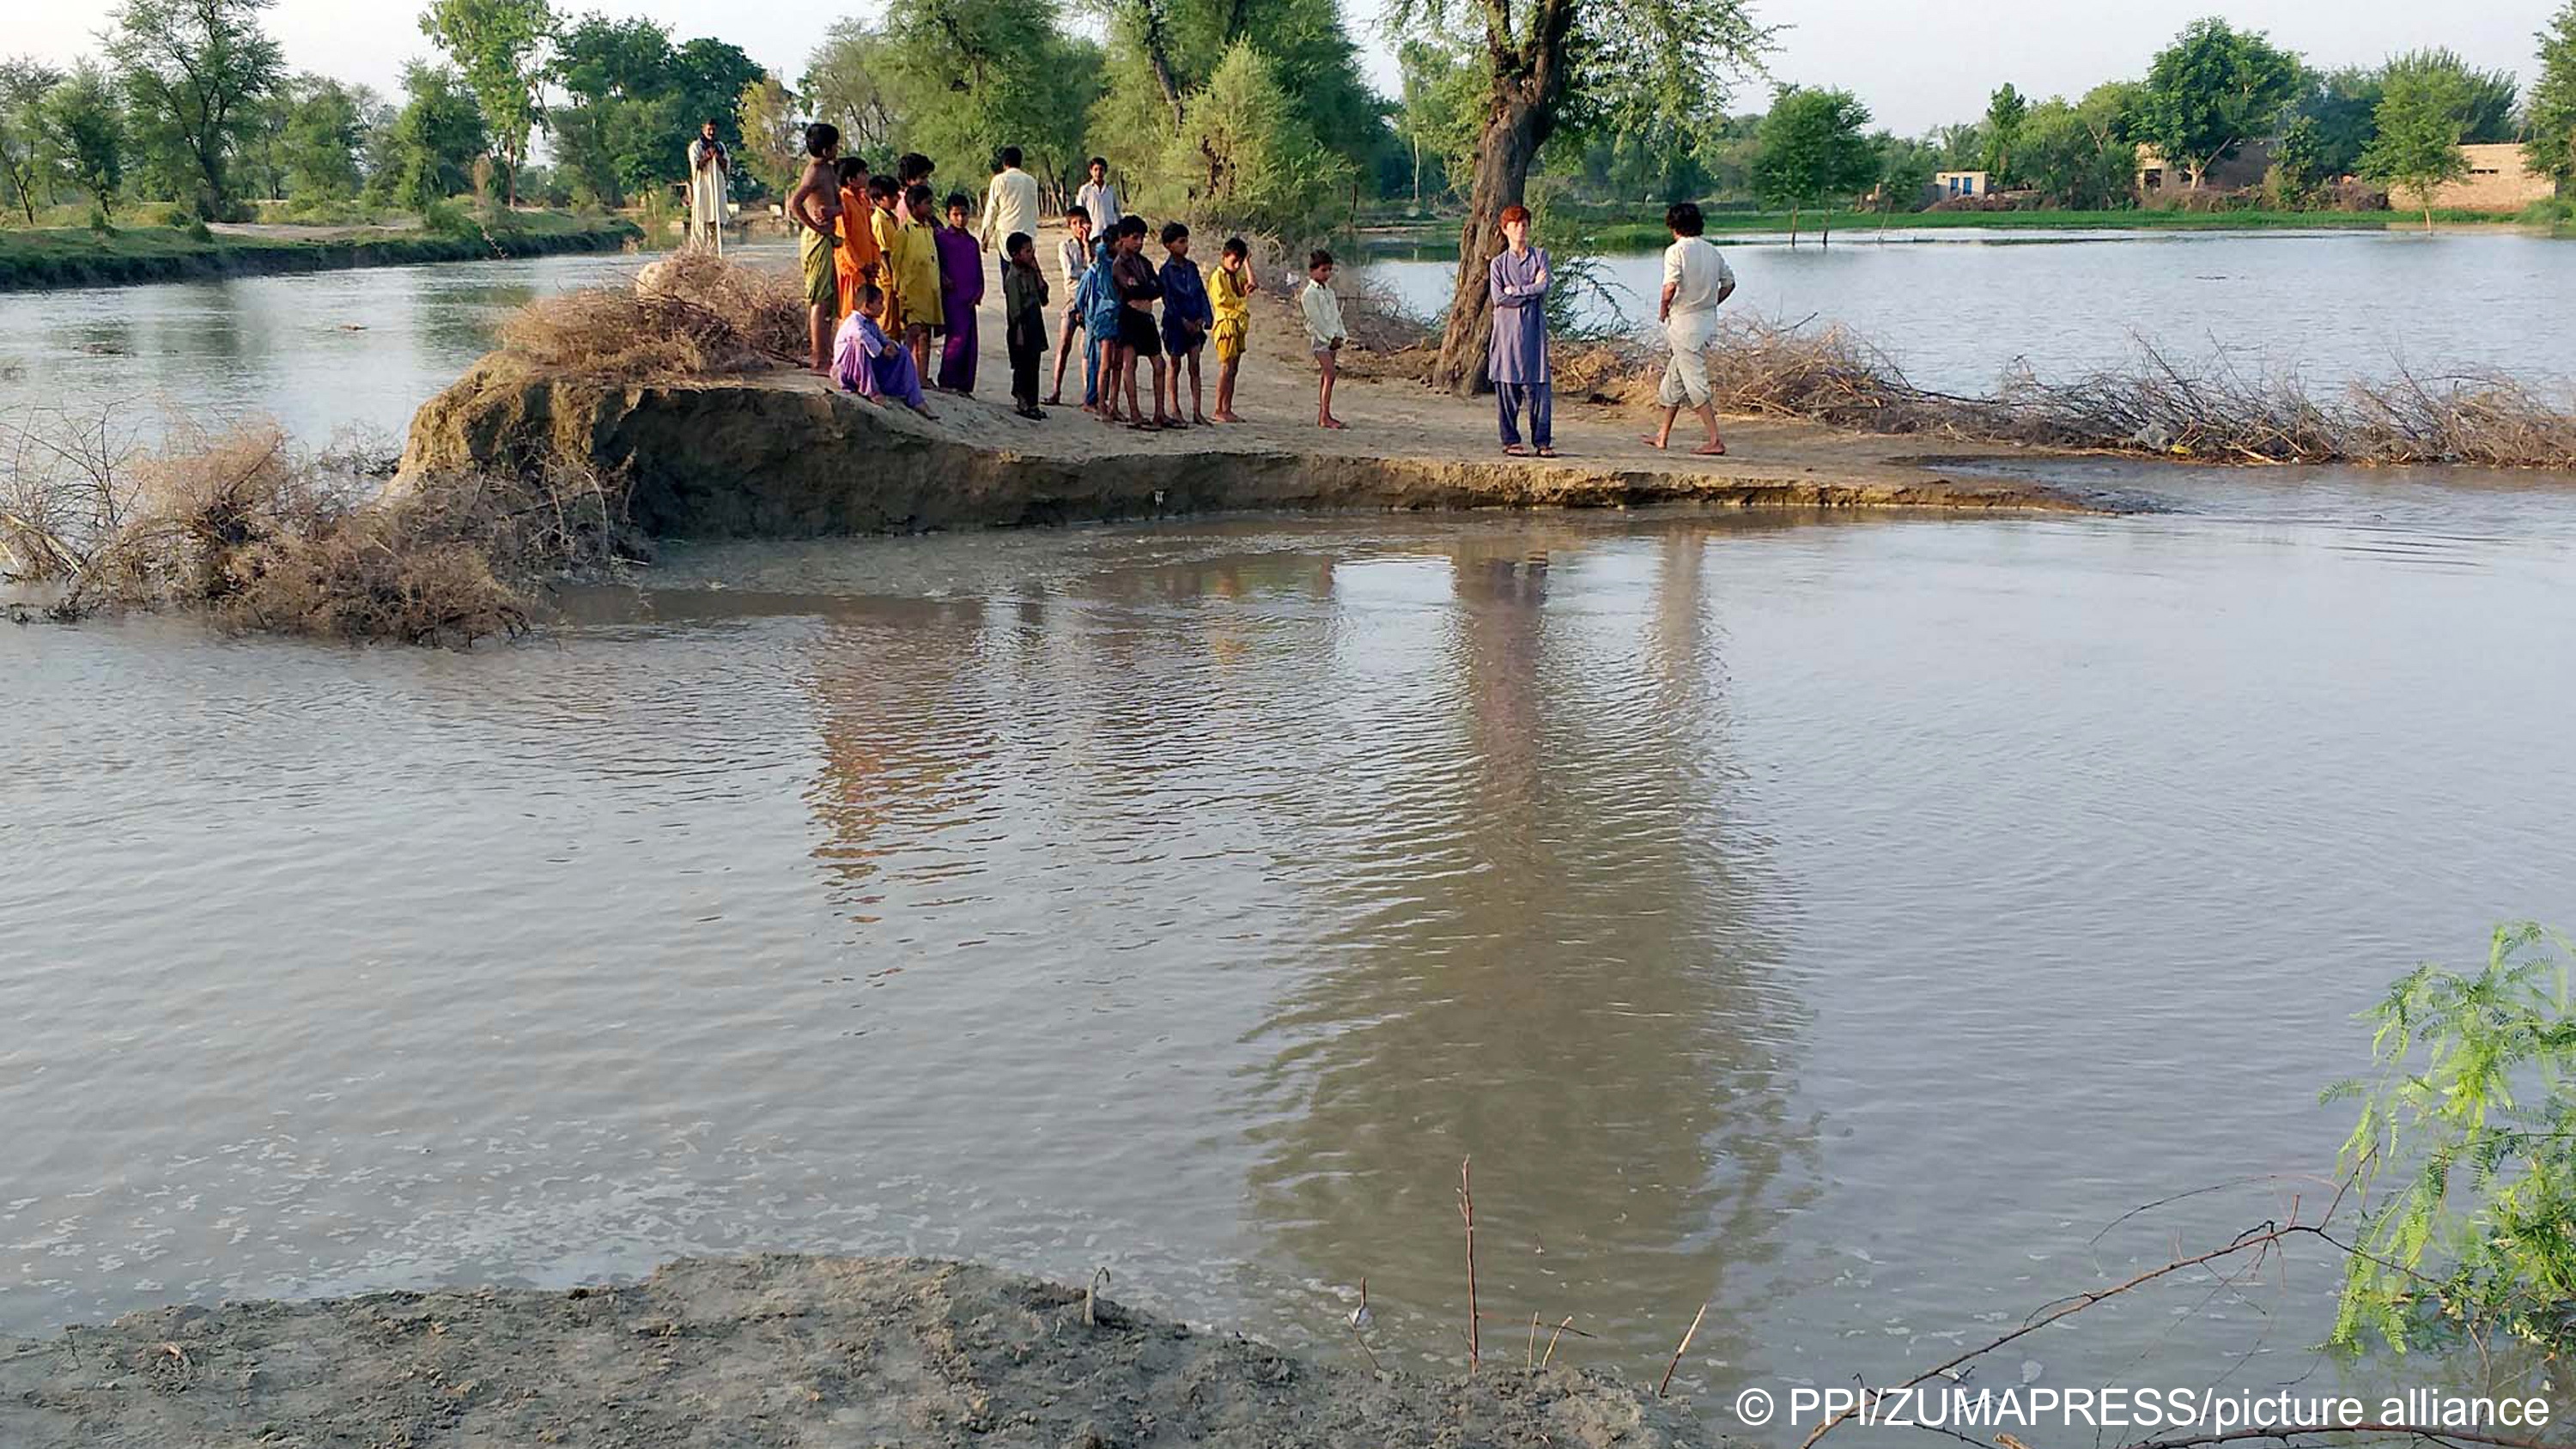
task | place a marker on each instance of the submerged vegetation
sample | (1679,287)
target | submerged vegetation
(260,537)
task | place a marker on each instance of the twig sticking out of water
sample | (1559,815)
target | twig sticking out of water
(1359,1320)
(1550,1356)
(1467,1210)
(1683,1349)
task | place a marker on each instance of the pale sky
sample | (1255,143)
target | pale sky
(1916,65)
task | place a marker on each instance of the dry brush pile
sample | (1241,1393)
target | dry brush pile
(693,315)
(258,535)
(2155,407)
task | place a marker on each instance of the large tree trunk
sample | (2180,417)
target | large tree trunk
(1503,155)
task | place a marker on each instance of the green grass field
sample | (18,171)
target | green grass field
(79,257)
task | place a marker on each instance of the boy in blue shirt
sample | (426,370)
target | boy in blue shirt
(1187,315)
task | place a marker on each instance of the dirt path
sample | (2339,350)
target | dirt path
(769,1351)
(1397,417)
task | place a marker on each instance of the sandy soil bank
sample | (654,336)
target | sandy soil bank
(762,1351)
(781,454)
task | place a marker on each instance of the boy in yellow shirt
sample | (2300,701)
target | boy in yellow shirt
(1230,296)
(916,276)
(884,226)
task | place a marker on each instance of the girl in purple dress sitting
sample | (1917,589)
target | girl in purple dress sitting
(867,362)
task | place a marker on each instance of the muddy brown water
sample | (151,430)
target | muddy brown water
(1839,922)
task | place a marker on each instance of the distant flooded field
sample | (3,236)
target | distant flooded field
(1956,308)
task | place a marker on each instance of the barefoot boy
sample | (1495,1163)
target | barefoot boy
(1186,318)
(814,208)
(1024,309)
(1230,301)
(1324,330)
(1073,259)
(1696,282)
(915,264)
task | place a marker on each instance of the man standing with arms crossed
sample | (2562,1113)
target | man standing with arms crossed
(1696,283)
(1010,205)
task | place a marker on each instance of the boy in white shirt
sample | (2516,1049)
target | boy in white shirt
(1697,282)
(1324,330)
(1073,256)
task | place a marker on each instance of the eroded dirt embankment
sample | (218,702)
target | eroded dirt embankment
(779,455)
(784,1351)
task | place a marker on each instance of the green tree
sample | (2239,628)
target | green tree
(192,71)
(1905,168)
(609,132)
(2551,114)
(500,45)
(1962,145)
(1436,112)
(2298,165)
(707,77)
(2212,88)
(436,138)
(1813,153)
(1160,52)
(2341,108)
(2473,1117)
(1614,64)
(2005,111)
(325,133)
(1252,161)
(2490,94)
(86,134)
(2075,155)
(844,85)
(633,101)
(2422,115)
(972,76)
(773,144)
(24,152)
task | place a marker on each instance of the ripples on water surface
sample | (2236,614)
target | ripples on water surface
(1840,920)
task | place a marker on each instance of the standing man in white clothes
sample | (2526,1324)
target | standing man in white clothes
(710,179)
(1100,198)
(1010,205)
(1697,282)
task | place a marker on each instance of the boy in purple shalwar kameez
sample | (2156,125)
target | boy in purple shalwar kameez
(1517,282)
(961,283)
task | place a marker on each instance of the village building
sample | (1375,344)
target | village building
(2500,179)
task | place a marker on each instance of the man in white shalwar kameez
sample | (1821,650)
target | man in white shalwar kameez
(710,175)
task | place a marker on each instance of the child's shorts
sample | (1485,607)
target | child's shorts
(1229,338)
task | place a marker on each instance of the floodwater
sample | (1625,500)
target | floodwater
(1956,309)
(1841,923)
(1838,922)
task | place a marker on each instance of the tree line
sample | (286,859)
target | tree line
(191,102)
(2213,90)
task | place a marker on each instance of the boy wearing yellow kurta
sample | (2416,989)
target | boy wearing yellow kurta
(1230,290)
(915,256)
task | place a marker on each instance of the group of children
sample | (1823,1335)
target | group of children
(884,275)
